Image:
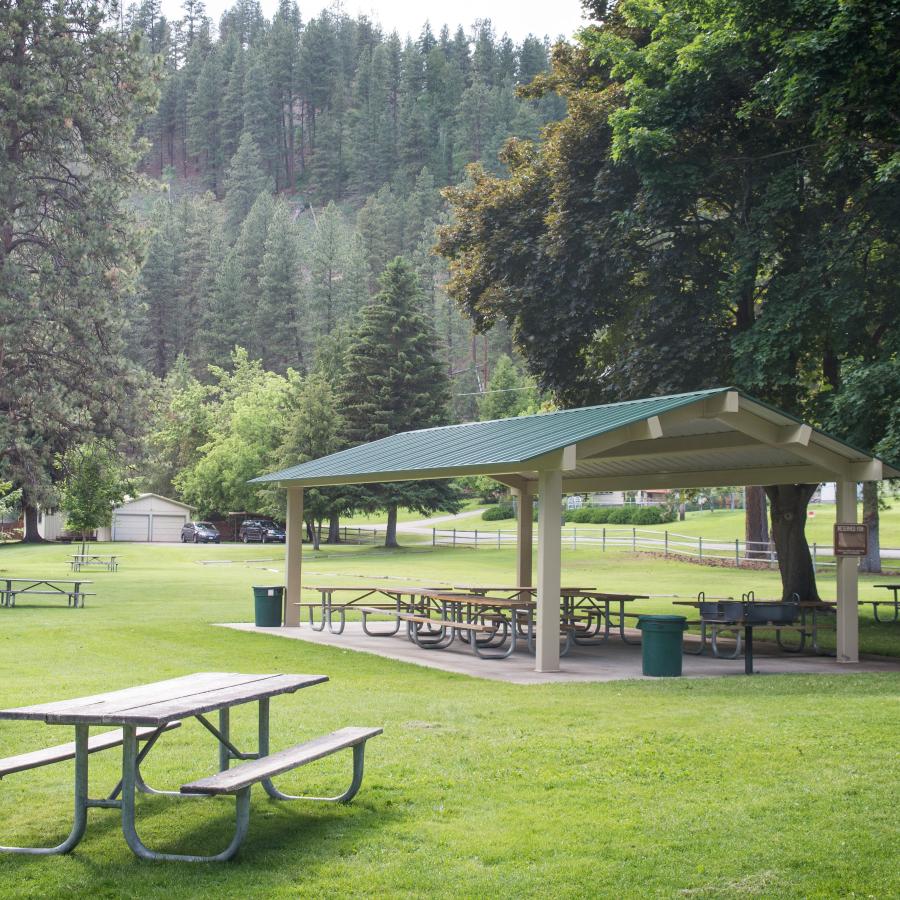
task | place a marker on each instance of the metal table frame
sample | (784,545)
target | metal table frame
(73,597)
(133,782)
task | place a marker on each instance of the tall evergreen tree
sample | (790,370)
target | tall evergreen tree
(277,323)
(246,180)
(396,384)
(70,88)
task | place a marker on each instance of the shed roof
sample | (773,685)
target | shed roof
(715,436)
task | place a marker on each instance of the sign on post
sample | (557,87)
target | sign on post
(850,540)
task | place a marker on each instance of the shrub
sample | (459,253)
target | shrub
(500,511)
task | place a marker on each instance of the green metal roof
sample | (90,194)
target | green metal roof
(479,444)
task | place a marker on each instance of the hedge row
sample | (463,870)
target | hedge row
(621,515)
(594,515)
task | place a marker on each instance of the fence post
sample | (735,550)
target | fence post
(737,553)
(476,538)
(498,538)
(634,540)
(700,546)
(815,570)
(454,537)
(666,533)
(574,538)
(434,537)
(604,537)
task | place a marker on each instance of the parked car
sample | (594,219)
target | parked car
(200,533)
(263,530)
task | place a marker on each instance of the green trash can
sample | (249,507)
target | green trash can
(661,638)
(267,602)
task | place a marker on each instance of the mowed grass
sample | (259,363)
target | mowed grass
(718,525)
(767,787)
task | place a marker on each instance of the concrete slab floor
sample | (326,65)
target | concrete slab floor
(612,661)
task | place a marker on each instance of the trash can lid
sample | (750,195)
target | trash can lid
(655,618)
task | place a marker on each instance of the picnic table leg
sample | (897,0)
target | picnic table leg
(129,830)
(625,640)
(896,612)
(359,751)
(748,649)
(81,802)
(224,731)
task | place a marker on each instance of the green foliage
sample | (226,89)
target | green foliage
(246,408)
(499,512)
(621,515)
(70,90)
(699,208)
(509,392)
(94,483)
(487,490)
(246,180)
(393,382)
(313,428)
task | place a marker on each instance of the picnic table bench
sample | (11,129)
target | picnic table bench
(106,561)
(146,712)
(895,603)
(10,588)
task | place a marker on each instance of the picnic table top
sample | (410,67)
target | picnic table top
(94,555)
(606,595)
(47,581)
(164,701)
(891,587)
(383,588)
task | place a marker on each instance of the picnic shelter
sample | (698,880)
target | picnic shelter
(708,438)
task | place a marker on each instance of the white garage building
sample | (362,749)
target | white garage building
(148,517)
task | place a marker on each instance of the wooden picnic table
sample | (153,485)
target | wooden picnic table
(103,560)
(598,606)
(157,707)
(895,603)
(327,608)
(54,587)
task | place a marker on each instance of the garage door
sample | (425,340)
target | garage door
(167,528)
(131,527)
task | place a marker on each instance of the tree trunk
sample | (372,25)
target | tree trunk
(871,562)
(756,523)
(789,502)
(30,512)
(390,534)
(334,529)
(313,533)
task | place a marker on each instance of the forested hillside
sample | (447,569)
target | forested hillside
(295,159)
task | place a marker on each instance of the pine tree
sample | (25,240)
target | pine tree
(396,384)
(246,180)
(204,132)
(260,112)
(326,257)
(71,91)
(158,336)
(235,65)
(249,248)
(277,322)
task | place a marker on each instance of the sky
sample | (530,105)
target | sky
(516,17)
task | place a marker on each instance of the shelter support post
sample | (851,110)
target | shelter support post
(549,569)
(847,581)
(293,555)
(523,537)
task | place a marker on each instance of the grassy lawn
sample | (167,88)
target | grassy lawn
(767,787)
(720,525)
